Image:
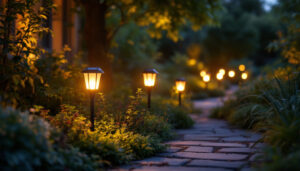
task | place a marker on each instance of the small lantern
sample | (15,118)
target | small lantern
(242,67)
(219,76)
(180,86)
(206,79)
(92,76)
(202,73)
(231,74)
(222,71)
(149,81)
(149,77)
(244,76)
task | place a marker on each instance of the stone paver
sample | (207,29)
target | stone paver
(162,161)
(241,139)
(213,156)
(211,145)
(213,163)
(190,137)
(174,149)
(199,149)
(237,150)
(155,168)
(206,143)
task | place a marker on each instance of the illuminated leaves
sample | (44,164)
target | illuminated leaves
(163,16)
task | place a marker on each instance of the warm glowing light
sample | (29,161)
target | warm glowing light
(149,77)
(180,84)
(244,76)
(231,74)
(192,62)
(242,67)
(219,76)
(92,76)
(222,71)
(206,78)
(202,73)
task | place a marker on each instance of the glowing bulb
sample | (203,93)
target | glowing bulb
(244,76)
(92,76)
(149,77)
(202,73)
(242,67)
(222,71)
(180,84)
(192,62)
(231,74)
(219,76)
(206,78)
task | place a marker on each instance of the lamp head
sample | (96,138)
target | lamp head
(180,84)
(149,77)
(92,76)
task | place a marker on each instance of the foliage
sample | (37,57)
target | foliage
(279,161)
(178,117)
(28,143)
(289,38)
(19,49)
(114,143)
(270,106)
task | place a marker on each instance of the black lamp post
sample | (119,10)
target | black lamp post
(92,76)
(149,81)
(180,86)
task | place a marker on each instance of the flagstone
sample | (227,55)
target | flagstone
(199,149)
(212,156)
(213,163)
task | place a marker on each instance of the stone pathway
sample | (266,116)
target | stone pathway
(211,145)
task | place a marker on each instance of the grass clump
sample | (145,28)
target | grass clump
(271,107)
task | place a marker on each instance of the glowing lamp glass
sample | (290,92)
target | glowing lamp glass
(222,71)
(231,74)
(219,76)
(92,76)
(180,85)
(149,77)
(202,73)
(242,67)
(244,76)
(206,78)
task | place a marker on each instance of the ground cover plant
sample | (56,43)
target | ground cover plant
(272,107)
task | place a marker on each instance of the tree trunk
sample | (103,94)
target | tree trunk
(96,37)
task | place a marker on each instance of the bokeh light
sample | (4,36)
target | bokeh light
(231,74)
(202,73)
(222,71)
(244,76)
(206,78)
(219,76)
(242,67)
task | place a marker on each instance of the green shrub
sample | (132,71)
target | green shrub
(280,162)
(155,126)
(27,143)
(179,118)
(113,142)
(272,107)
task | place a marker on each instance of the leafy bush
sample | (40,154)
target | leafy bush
(272,107)
(280,161)
(27,143)
(179,118)
(113,143)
